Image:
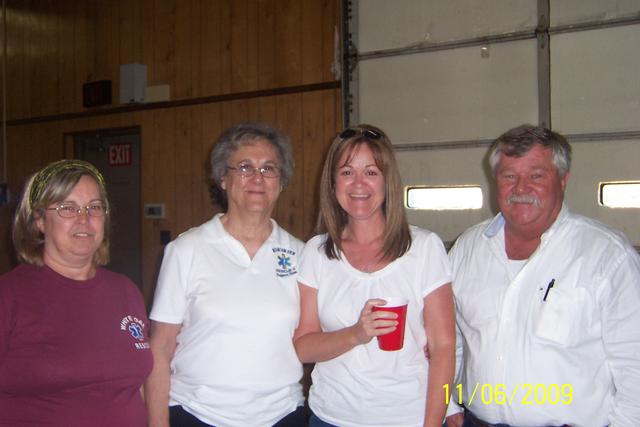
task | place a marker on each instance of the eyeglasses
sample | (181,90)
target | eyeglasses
(247,171)
(367,133)
(71,210)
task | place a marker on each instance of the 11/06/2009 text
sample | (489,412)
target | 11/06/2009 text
(499,394)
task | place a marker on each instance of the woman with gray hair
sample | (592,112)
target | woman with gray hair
(226,302)
(73,346)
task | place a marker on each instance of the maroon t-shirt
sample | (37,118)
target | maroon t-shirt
(72,353)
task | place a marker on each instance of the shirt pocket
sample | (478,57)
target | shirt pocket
(561,319)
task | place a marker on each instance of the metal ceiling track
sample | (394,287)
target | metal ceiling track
(475,143)
(543,26)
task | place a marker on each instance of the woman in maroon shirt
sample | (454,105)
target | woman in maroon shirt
(73,336)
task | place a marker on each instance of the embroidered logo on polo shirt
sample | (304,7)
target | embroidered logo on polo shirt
(284,262)
(135,328)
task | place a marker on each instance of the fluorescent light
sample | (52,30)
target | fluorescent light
(444,198)
(620,194)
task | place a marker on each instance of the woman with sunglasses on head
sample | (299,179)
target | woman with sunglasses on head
(367,251)
(73,335)
(227,304)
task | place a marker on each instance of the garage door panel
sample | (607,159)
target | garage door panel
(601,161)
(450,95)
(594,162)
(594,80)
(385,24)
(447,167)
(566,12)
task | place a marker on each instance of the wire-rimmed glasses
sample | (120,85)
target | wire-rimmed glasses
(71,210)
(247,171)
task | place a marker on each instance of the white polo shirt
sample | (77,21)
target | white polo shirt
(235,364)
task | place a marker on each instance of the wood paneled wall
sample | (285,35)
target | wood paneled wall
(200,48)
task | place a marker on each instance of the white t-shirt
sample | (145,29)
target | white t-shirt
(234,364)
(367,386)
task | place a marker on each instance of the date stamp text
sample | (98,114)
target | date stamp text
(523,394)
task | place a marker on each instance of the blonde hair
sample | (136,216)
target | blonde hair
(53,184)
(333,219)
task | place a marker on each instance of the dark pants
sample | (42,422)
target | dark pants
(317,422)
(471,420)
(178,417)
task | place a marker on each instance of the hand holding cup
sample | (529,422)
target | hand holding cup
(394,339)
(374,323)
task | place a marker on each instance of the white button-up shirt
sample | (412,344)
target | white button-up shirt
(570,358)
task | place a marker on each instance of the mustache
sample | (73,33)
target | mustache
(523,198)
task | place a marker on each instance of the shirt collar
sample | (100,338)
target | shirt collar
(562,215)
(497,224)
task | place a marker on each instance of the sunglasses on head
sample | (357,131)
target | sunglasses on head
(367,133)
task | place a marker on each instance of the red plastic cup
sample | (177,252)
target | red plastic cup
(393,341)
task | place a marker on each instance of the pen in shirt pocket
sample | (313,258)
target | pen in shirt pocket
(549,286)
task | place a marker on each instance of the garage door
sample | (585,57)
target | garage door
(444,78)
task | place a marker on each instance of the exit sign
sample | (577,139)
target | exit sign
(120,154)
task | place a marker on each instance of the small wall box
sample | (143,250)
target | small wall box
(133,80)
(96,94)
(154,210)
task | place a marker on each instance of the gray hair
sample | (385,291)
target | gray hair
(518,141)
(246,133)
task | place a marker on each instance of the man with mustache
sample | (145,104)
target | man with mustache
(547,302)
